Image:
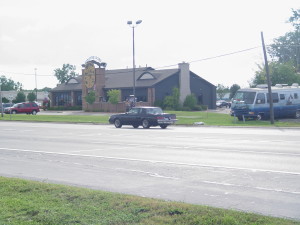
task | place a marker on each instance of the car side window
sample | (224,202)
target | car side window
(260,99)
(282,96)
(274,97)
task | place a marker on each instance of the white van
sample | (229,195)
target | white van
(254,102)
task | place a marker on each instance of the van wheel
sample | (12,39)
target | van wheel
(14,112)
(33,112)
(297,114)
(260,117)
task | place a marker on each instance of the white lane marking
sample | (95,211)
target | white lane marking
(200,148)
(157,161)
(151,174)
(258,188)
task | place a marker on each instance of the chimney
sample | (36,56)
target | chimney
(184,81)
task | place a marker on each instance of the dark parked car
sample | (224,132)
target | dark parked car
(24,107)
(143,116)
(5,105)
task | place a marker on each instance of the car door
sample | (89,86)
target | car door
(21,108)
(131,116)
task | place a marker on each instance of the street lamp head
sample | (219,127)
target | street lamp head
(129,22)
(139,21)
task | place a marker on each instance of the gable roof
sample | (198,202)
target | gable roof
(73,84)
(124,78)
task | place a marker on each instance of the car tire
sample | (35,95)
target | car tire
(14,112)
(135,125)
(145,124)
(34,112)
(118,123)
(163,126)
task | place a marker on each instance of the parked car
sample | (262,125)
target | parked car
(222,103)
(143,116)
(5,105)
(24,107)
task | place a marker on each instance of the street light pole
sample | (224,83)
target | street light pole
(35,85)
(133,53)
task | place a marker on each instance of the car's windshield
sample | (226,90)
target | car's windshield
(245,96)
(15,105)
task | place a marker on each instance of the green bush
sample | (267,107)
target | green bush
(190,101)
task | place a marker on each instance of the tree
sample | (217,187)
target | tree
(114,96)
(280,73)
(222,90)
(31,96)
(295,18)
(9,84)
(172,101)
(90,98)
(64,74)
(21,97)
(287,48)
(233,89)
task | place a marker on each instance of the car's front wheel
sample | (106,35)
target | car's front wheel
(145,124)
(163,126)
(14,112)
(118,123)
(34,112)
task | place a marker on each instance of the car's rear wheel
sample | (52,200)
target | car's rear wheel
(163,126)
(118,123)
(34,112)
(297,114)
(145,124)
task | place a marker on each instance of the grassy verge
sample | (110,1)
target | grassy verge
(184,118)
(29,202)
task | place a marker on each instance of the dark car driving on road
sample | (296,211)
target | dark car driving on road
(143,116)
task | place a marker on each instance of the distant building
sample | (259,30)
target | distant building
(11,95)
(150,85)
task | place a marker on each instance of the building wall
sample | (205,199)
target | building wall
(204,91)
(164,88)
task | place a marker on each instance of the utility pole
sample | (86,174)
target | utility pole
(35,85)
(268,80)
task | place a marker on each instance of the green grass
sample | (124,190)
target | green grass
(184,118)
(30,202)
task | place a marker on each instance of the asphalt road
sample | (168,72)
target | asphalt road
(248,169)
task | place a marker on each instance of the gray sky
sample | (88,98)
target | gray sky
(45,34)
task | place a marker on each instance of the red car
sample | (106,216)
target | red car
(24,107)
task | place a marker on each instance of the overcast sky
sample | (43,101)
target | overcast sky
(45,34)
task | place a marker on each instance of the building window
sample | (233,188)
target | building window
(146,76)
(63,99)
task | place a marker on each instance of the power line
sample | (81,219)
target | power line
(160,67)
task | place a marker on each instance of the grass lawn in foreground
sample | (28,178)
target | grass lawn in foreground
(184,118)
(29,202)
